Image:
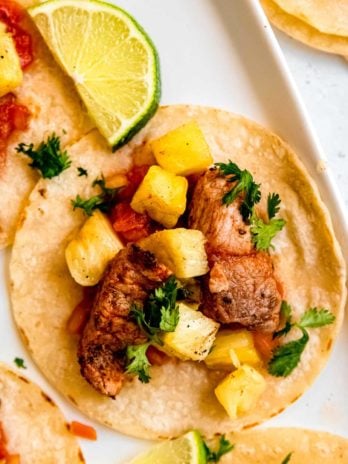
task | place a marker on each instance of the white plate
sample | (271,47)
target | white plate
(224,54)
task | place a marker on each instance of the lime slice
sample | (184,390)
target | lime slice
(110,58)
(187,449)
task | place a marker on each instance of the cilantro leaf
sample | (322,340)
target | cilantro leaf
(20,363)
(82,171)
(48,158)
(287,458)
(286,357)
(104,201)
(315,317)
(285,311)
(169,319)
(138,362)
(263,233)
(225,447)
(273,202)
(244,184)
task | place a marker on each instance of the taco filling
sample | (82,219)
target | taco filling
(206,291)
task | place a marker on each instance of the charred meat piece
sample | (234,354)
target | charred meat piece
(222,225)
(243,290)
(128,280)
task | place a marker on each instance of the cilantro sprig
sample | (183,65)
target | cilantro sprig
(20,363)
(225,446)
(104,201)
(159,314)
(244,185)
(262,233)
(48,158)
(286,357)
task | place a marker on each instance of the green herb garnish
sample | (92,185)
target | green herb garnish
(244,185)
(262,233)
(20,363)
(48,158)
(224,447)
(82,171)
(286,357)
(287,458)
(159,314)
(104,201)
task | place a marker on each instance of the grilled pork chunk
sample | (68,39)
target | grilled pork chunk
(128,280)
(241,286)
(223,226)
(243,290)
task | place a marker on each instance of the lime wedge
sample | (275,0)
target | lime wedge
(187,449)
(110,58)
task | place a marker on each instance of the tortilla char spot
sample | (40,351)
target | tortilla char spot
(68,426)
(23,379)
(47,398)
(250,426)
(24,336)
(42,192)
(329,345)
(80,455)
(72,399)
(295,399)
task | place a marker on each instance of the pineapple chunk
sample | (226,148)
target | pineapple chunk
(162,195)
(182,250)
(193,337)
(231,349)
(89,253)
(11,74)
(240,391)
(183,151)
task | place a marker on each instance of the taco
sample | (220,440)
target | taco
(258,446)
(308,28)
(45,103)
(32,428)
(267,317)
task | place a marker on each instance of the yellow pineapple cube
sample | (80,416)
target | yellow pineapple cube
(193,337)
(240,391)
(231,349)
(11,74)
(89,253)
(183,151)
(182,250)
(162,195)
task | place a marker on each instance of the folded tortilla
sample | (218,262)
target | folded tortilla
(34,427)
(271,446)
(180,395)
(56,107)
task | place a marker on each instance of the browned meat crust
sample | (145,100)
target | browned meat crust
(128,279)
(241,287)
(222,225)
(243,290)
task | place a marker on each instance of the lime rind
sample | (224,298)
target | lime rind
(133,125)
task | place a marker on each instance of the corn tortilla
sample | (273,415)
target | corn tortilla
(271,446)
(34,427)
(180,395)
(327,16)
(55,107)
(304,32)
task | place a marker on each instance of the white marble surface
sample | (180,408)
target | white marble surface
(323,83)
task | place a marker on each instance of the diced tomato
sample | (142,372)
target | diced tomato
(79,317)
(264,344)
(11,14)
(83,431)
(135,177)
(156,357)
(132,226)
(3,441)
(13,116)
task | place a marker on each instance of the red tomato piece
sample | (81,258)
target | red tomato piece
(265,344)
(132,226)
(83,431)
(79,317)
(135,176)
(3,442)
(11,14)
(156,357)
